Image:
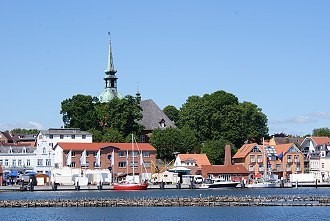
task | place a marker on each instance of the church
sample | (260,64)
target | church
(152,116)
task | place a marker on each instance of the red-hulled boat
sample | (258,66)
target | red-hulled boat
(130,186)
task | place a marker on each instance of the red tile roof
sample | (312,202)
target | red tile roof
(244,150)
(321,140)
(97,146)
(283,148)
(221,169)
(201,159)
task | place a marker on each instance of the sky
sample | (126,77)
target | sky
(274,53)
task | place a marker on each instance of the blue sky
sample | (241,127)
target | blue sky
(273,53)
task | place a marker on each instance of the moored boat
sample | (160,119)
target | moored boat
(219,183)
(130,186)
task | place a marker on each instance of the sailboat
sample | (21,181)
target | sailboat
(131,185)
(265,181)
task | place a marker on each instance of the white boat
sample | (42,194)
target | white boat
(203,186)
(220,183)
(261,183)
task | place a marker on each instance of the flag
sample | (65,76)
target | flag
(141,159)
(69,158)
(83,158)
(98,159)
(280,156)
(113,157)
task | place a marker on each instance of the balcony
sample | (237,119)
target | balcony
(252,161)
(296,160)
(259,160)
(261,169)
(289,161)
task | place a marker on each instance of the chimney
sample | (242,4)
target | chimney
(227,155)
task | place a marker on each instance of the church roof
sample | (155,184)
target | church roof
(153,117)
(108,94)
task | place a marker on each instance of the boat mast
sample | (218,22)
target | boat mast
(133,158)
(265,158)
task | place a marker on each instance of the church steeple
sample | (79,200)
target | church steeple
(110,79)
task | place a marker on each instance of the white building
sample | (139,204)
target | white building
(17,158)
(47,139)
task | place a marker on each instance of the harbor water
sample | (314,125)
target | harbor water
(166,213)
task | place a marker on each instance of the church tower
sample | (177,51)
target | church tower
(110,79)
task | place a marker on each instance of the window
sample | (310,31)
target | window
(252,159)
(73,164)
(122,153)
(1,163)
(19,163)
(259,158)
(48,162)
(44,150)
(135,154)
(146,154)
(14,163)
(73,154)
(83,136)
(135,164)
(6,162)
(147,164)
(61,136)
(122,164)
(39,162)
(73,136)
(28,162)
(51,136)
(142,138)
(24,150)
(51,144)
(322,165)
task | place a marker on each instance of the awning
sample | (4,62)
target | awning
(13,173)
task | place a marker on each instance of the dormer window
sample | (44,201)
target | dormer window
(24,150)
(51,136)
(10,150)
(44,150)
(162,123)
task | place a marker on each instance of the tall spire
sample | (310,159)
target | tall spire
(110,68)
(110,79)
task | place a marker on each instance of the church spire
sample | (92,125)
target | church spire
(111,68)
(110,79)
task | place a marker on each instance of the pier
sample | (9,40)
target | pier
(210,201)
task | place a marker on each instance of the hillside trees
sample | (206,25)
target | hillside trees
(111,121)
(321,132)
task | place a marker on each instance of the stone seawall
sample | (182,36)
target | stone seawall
(211,201)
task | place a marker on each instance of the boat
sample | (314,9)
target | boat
(203,186)
(131,184)
(125,185)
(220,183)
(262,183)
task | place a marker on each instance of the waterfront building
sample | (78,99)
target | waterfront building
(117,157)
(47,139)
(228,171)
(310,147)
(189,164)
(281,160)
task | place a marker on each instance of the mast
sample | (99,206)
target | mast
(133,158)
(265,159)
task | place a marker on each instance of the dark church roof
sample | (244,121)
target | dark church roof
(153,116)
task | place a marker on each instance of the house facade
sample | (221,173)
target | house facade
(46,141)
(281,160)
(310,147)
(319,162)
(193,162)
(120,158)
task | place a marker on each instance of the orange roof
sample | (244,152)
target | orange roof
(244,150)
(221,169)
(321,140)
(97,146)
(283,148)
(201,159)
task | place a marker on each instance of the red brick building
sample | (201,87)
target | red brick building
(126,156)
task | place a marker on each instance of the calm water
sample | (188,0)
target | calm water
(181,213)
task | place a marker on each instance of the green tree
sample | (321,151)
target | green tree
(79,112)
(172,113)
(215,151)
(24,131)
(321,132)
(112,135)
(172,140)
(220,116)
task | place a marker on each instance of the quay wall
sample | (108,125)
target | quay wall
(211,201)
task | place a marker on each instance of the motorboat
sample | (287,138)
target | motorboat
(220,183)
(262,183)
(124,185)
